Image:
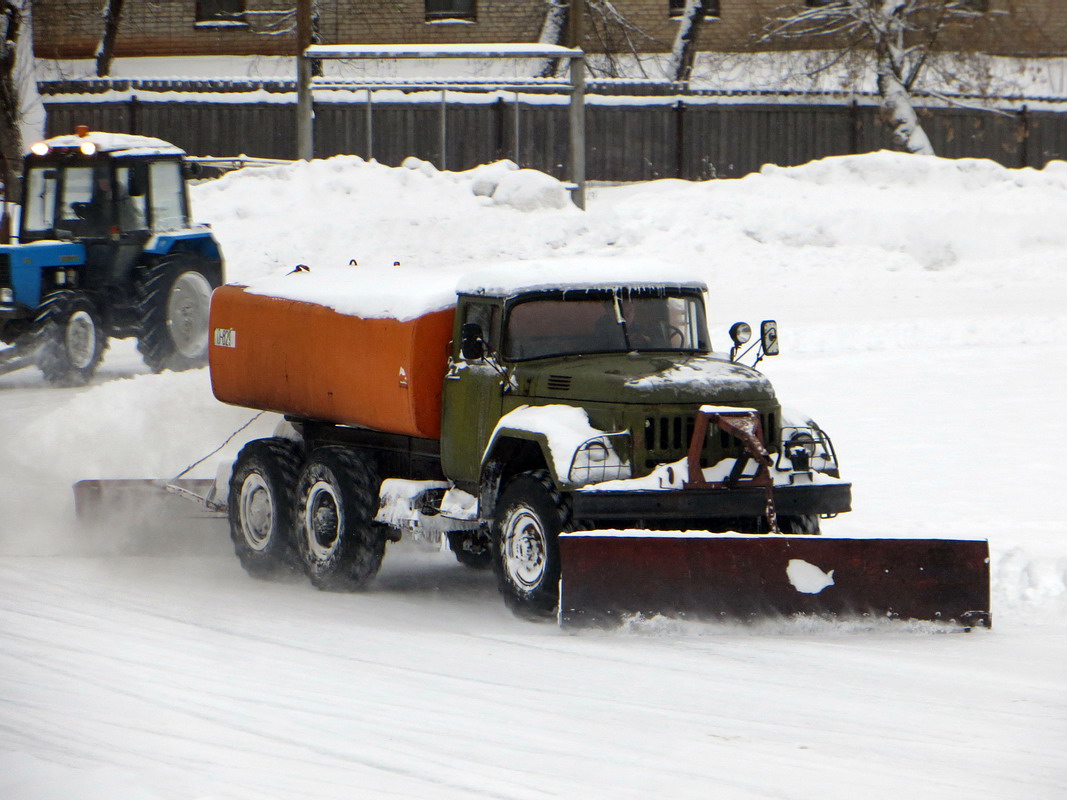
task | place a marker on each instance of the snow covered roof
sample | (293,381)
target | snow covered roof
(116,143)
(576,273)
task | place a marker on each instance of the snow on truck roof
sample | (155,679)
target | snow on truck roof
(404,293)
(114,143)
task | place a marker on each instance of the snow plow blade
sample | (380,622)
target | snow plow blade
(609,578)
(186,497)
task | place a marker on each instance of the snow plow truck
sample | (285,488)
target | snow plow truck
(569,426)
(105,249)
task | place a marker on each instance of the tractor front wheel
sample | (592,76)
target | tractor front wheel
(71,336)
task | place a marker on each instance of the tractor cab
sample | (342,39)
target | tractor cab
(102,186)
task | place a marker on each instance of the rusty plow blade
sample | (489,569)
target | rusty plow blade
(609,578)
(96,500)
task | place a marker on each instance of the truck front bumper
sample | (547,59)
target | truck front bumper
(693,503)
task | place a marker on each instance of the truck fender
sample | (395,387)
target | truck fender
(510,452)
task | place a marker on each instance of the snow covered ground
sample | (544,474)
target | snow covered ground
(921,309)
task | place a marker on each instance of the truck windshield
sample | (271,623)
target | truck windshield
(605,322)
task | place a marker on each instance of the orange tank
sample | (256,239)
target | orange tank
(309,361)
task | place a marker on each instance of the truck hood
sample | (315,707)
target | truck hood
(644,378)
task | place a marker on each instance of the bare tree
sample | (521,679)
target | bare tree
(610,31)
(683,54)
(901,37)
(112,15)
(10,100)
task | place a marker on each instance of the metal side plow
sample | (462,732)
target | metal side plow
(609,577)
(98,499)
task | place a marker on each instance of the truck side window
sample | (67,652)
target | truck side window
(487,317)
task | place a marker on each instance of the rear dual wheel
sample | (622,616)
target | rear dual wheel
(261,506)
(336,538)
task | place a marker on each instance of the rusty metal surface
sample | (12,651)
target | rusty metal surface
(607,578)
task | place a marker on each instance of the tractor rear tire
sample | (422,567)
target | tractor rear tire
(336,538)
(173,301)
(261,506)
(529,518)
(71,336)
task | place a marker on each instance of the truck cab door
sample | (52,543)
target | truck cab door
(473,394)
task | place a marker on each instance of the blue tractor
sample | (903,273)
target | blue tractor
(105,249)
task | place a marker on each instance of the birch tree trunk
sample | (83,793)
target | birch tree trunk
(683,54)
(112,15)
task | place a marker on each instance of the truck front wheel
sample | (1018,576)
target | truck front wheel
(529,518)
(261,505)
(337,497)
(72,339)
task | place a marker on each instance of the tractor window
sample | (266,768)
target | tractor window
(168,195)
(77,197)
(40,201)
(131,199)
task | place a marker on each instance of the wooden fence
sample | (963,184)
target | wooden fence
(688,138)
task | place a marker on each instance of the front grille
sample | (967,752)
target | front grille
(666,439)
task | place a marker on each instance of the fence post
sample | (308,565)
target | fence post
(369,126)
(442,131)
(854,127)
(1024,137)
(679,140)
(133,115)
(516,134)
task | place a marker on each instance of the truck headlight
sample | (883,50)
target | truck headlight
(806,449)
(602,458)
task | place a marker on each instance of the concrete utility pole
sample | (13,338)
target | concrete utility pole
(576,23)
(304,111)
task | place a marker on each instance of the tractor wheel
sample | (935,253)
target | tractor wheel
(173,300)
(804,523)
(71,336)
(529,517)
(261,503)
(337,497)
(471,550)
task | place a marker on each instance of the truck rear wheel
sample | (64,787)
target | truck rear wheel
(72,338)
(337,497)
(261,505)
(173,300)
(529,518)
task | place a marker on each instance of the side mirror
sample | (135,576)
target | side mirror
(768,331)
(471,343)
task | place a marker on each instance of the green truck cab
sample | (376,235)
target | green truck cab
(588,398)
